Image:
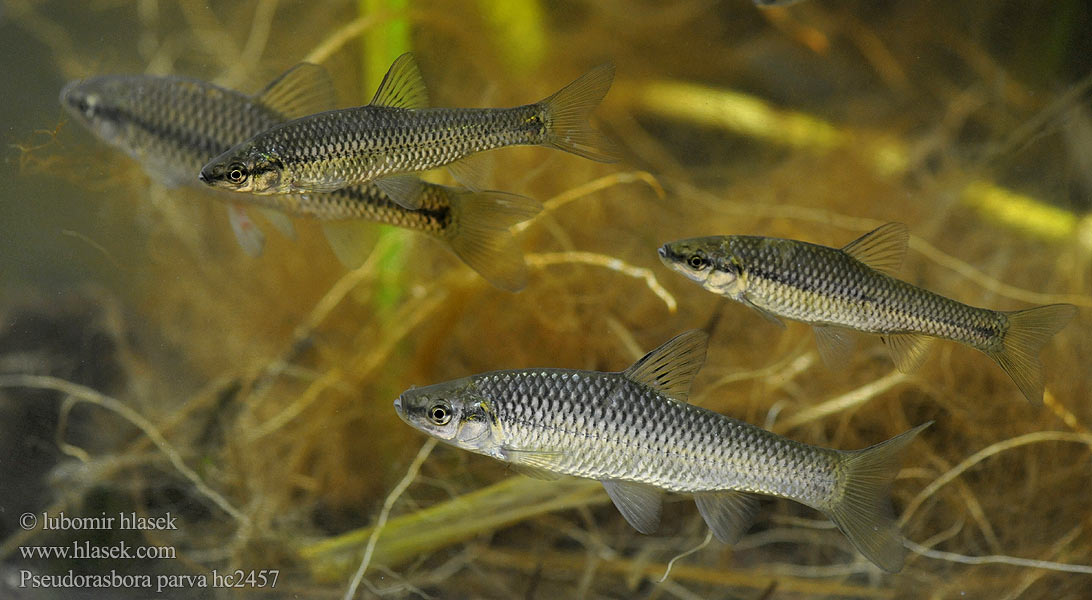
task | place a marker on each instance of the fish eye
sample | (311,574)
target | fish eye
(696,262)
(236,173)
(439,413)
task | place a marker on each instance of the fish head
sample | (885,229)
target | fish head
(706,261)
(455,412)
(100,104)
(245,168)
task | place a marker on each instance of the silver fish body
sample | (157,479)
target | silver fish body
(341,147)
(607,426)
(173,125)
(397,134)
(635,432)
(170,125)
(852,288)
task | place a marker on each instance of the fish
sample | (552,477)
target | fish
(173,125)
(636,432)
(397,135)
(841,290)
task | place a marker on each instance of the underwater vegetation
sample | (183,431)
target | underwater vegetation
(159,353)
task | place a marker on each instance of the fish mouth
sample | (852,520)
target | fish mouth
(662,251)
(398,404)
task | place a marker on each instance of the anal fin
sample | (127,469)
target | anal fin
(351,241)
(403,190)
(727,512)
(472,172)
(908,350)
(639,503)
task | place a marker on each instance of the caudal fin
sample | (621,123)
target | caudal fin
(1030,330)
(567,111)
(479,235)
(862,508)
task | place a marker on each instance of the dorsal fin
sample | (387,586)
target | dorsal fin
(882,249)
(671,368)
(403,86)
(303,90)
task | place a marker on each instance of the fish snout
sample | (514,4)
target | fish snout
(662,251)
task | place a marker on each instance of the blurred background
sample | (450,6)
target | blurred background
(147,364)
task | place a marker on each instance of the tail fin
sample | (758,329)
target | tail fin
(479,235)
(566,116)
(1030,330)
(862,509)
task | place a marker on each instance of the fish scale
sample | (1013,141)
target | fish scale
(837,289)
(178,123)
(397,135)
(853,288)
(592,416)
(634,432)
(370,142)
(173,125)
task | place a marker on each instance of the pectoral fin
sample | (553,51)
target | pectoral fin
(769,316)
(542,465)
(534,472)
(728,513)
(640,504)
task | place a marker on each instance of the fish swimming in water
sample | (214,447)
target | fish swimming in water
(397,135)
(635,432)
(853,288)
(173,125)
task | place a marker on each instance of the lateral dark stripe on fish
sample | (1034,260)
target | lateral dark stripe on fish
(397,134)
(853,288)
(173,125)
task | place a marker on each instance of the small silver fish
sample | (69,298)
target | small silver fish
(635,432)
(173,125)
(397,135)
(853,288)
